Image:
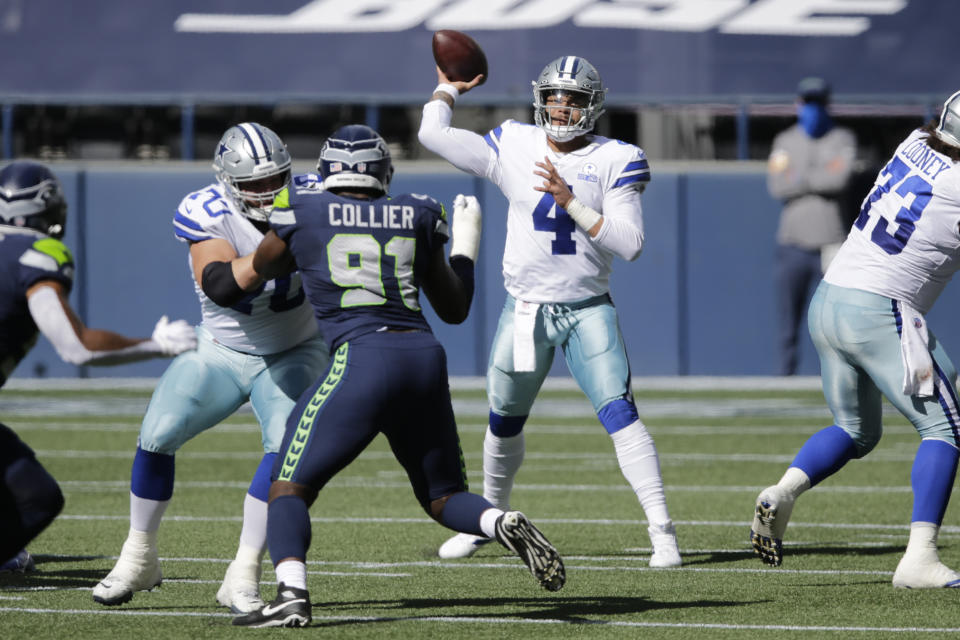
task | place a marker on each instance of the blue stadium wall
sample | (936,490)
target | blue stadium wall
(698,301)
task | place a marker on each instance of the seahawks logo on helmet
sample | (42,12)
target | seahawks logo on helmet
(355,156)
(568,98)
(31,196)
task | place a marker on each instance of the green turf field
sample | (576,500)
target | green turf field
(373,568)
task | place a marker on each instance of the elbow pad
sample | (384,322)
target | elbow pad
(219,284)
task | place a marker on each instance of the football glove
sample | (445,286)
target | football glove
(466,224)
(174,337)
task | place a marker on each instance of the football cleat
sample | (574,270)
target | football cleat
(924,571)
(517,534)
(240,591)
(20,563)
(666,552)
(138,569)
(291,608)
(772,513)
(462,545)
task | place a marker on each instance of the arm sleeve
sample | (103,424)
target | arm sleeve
(52,320)
(463,149)
(622,228)
(785,180)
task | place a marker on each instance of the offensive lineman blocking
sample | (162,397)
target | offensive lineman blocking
(867,323)
(557,262)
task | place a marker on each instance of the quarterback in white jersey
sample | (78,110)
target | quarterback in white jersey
(574,207)
(867,323)
(258,342)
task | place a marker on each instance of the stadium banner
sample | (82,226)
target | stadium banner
(379,50)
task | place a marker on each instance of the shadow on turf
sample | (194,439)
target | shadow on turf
(794,552)
(46,574)
(573,610)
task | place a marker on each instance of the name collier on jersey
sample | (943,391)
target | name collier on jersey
(386,216)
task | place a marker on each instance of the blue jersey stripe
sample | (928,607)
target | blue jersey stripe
(181,219)
(640,177)
(186,235)
(493,139)
(636,165)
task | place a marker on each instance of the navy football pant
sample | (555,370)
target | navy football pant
(384,382)
(29,496)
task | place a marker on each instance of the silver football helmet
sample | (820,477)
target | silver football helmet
(948,129)
(568,98)
(31,196)
(253,165)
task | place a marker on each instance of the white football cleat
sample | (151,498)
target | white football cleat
(924,571)
(770,518)
(666,552)
(138,569)
(462,545)
(516,533)
(240,591)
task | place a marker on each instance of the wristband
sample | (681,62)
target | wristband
(448,89)
(582,214)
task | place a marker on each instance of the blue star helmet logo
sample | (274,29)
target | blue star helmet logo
(222,150)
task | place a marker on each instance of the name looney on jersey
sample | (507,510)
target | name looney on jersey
(925,159)
(385,216)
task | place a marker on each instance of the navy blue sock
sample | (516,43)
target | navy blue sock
(462,512)
(824,453)
(288,528)
(934,469)
(260,485)
(152,475)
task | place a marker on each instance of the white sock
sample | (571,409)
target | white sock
(249,555)
(923,539)
(641,467)
(795,480)
(502,458)
(488,522)
(253,533)
(292,573)
(145,514)
(138,539)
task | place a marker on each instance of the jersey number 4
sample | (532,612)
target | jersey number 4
(560,224)
(913,193)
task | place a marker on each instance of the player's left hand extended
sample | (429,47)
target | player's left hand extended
(466,224)
(553,183)
(174,337)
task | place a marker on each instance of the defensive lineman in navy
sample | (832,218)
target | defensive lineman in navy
(388,372)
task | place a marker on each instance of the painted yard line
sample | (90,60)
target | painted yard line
(579,621)
(94,486)
(574,521)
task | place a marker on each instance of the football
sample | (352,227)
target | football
(459,56)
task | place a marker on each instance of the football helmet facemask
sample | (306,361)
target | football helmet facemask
(568,98)
(355,156)
(31,196)
(253,165)
(948,129)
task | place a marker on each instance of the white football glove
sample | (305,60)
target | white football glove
(174,337)
(466,224)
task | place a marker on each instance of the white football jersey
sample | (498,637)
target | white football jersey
(906,242)
(274,318)
(547,257)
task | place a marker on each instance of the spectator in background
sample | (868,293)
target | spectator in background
(810,168)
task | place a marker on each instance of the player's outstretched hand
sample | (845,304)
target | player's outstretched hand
(461,86)
(174,337)
(466,224)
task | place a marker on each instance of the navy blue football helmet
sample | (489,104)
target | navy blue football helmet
(31,196)
(355,156)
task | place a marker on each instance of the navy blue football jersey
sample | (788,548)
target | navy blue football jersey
(361,261)
(26,257)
